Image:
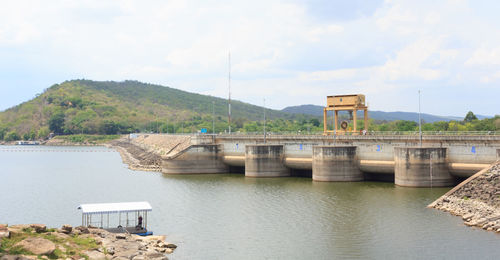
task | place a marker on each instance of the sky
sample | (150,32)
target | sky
(288,52)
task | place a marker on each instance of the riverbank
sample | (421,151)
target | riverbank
(136,157)
(476,200)
(146,152)
(36,241)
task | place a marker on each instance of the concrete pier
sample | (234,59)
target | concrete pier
(197,159)
(265,161)
(335,163)
(421,167)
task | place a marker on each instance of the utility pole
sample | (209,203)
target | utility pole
(229,84)
(264,120)
(213,117)
(419,120)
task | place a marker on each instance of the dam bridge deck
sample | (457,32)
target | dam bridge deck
(435,160)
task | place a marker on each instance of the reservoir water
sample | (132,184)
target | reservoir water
(233,217)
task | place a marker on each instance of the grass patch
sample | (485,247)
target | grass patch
(91,139)
(57,254)
(18,250)
(465,198)
(85,243)
(27,230)
(65,246)
(8,243)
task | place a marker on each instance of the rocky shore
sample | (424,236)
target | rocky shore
(136,157)
(146,152)
(36,241)
(476,200)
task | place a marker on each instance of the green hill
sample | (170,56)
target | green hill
(107,107)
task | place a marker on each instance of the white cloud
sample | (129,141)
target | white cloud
(329,75)
(485,57)
(278,50)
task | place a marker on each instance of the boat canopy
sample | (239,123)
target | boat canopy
(122,207)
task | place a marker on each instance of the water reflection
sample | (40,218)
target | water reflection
(229,216)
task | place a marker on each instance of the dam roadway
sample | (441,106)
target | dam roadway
(440,161)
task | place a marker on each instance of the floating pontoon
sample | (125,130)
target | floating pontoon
(98,215)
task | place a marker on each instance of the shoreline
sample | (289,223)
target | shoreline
(132,162)
(35,241)
(476,200)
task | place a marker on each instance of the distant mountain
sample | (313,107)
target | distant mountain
(377,115)
(107,107)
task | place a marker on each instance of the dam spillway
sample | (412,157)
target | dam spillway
(438,161)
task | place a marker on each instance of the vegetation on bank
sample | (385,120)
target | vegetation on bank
(66,247)
(107,108)
(81,110)
(87,139)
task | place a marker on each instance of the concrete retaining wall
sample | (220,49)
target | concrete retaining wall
(265,161)
(335,163)
(421,167)
(197,159)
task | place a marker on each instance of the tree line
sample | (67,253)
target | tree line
(84,124)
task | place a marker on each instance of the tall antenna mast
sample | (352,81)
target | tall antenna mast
(229,84)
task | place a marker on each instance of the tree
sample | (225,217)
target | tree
(12,136)
(314,122)
(56,123)
(404,125)
(43,132)
(470,117)
(3,131)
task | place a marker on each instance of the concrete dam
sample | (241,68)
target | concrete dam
(436,162)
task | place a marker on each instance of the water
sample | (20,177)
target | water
(233,217)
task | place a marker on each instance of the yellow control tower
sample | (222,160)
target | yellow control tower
(351,103)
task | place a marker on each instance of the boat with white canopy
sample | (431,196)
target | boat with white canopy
(132,217)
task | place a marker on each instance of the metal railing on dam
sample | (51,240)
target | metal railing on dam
(371,133)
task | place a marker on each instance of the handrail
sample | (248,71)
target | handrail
(377,133)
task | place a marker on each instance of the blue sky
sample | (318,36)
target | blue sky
(289,52)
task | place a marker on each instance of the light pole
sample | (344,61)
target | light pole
(264,120)
(419,120)
(229,87)
(213,117)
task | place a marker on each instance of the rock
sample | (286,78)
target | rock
(14,257)
(62,248)
(95,255)
(37,245)
(110,250)
(83,229)
(481,221)
(154,254)
(468,216)
(60,235)
(139,257)
(66,229)
(170,245)
(169,250)
(39,228)
(121,236)
(4,231)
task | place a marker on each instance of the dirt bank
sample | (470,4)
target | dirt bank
(476,200)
